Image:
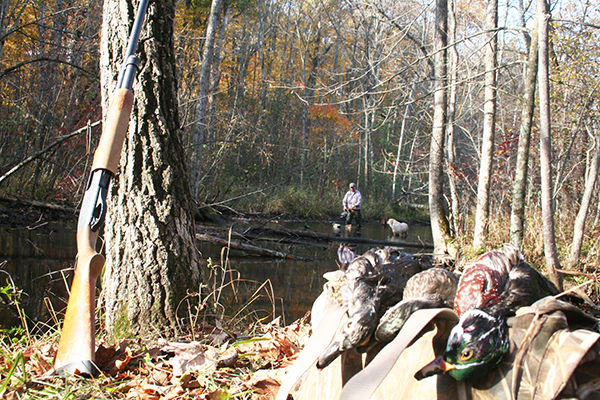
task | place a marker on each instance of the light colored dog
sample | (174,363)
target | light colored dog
(398,228)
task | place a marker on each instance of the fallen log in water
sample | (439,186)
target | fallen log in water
(249,247)
(38,204)
(306,234)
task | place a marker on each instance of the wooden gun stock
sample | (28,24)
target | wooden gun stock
(76,348)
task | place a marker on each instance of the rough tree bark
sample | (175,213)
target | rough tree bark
(440,227)
(151,258)
(482,214)
(517,215)
(550,251)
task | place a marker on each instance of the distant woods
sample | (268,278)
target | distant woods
(317,94)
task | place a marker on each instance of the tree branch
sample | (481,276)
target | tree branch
(48,148)
(40,59)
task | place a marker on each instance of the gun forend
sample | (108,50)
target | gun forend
(109,149)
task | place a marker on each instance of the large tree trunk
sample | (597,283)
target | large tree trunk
(151,258)
(517,215)
(200,120)
(551,253)
(440,228)
(482,215)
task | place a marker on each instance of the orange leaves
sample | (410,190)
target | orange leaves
(328,118)
(277,347)
(328,125)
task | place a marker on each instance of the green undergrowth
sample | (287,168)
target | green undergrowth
(311,203)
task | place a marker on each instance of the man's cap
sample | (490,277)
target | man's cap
(353,185)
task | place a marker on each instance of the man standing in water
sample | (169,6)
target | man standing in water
(352,202)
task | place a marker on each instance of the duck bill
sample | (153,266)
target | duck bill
(330,354)
(437,366)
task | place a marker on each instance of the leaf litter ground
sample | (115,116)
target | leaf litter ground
(216,366)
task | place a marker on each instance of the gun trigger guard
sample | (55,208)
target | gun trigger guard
(99,213)
(101,206)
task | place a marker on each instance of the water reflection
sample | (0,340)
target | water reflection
(39,262)
(296,284)
(34,260)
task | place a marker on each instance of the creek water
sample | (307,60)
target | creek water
(40,264)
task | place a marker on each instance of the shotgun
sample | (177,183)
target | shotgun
(76,349)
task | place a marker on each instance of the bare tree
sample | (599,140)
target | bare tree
(440,227)
(552,263)
(517,216)
(590,184)
(200,120)
(401,139)
(450,131)
(482,215)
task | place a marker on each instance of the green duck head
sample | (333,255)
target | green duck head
(476,345)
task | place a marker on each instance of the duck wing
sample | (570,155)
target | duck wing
(394,271)
(372,282)
(525,286)
(432,288)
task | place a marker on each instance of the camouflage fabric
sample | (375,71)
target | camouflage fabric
(555,354)
(551,355)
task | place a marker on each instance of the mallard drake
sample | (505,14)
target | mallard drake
(372,283)
(489,291)
(398,228)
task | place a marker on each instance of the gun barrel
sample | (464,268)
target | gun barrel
(133,39)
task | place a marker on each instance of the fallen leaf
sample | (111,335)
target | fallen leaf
(228,358)
(192,357)
(173,392)
(264,383)
(146,392)
(159,377)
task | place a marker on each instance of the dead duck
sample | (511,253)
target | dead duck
(432,288)
(489,291)
(372,283)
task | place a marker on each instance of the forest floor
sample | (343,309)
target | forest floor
(209,362)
